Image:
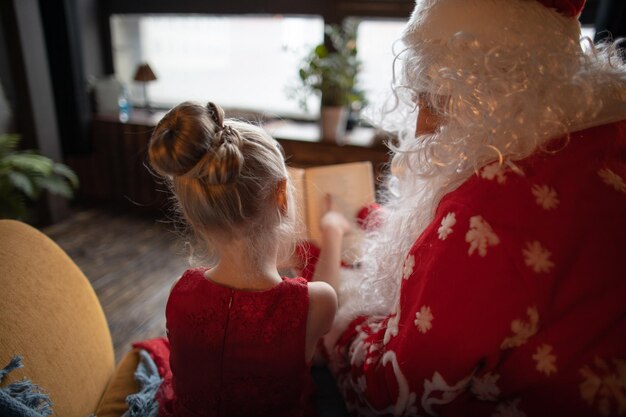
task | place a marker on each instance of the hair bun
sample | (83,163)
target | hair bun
(227,135)
(168,154)
(216,113)
(192,141)
(221,165)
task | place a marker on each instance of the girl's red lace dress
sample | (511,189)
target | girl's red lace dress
(236,353)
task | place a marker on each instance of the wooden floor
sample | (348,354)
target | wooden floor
(131,262)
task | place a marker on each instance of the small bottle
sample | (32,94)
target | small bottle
(123,105)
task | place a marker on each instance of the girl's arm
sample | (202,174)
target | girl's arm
(322,310)
(323,289)
(334,227)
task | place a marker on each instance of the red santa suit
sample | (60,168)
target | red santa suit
(512,301)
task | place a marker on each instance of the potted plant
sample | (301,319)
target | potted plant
(24,174)
(331,72)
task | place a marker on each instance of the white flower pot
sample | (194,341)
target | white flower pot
(333,121)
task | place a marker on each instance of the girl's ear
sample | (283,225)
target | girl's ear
(281,196)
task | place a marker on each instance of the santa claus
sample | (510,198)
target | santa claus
(495,281)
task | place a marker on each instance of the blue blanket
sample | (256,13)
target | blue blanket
(22,398)
(143,403)
(25,399)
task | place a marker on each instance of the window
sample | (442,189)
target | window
(246,62)
(587,34)
(242,62)
(375,45)
(588,31)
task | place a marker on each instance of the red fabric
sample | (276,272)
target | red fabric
(308,254)
(515,308)
(159,350)
(569,8)
(236,353)
(367,217)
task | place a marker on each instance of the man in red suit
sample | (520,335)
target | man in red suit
(495,281)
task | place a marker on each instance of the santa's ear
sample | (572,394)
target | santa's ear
(281,196)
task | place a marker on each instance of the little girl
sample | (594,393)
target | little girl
(241,337)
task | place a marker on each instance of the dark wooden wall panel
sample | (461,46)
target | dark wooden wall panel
(118,171)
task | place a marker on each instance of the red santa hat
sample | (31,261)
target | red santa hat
(510,22)
(568,8)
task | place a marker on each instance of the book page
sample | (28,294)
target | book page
(351,186)
(296,177)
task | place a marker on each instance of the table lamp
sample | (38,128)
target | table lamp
(144,75)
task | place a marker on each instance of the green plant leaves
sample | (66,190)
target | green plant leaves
(55,185)
(23,183)
(321,51)
(25,174)
(30,162)
(8,143)
(332,72)
(67,173)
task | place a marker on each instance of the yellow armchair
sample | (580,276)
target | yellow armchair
(50,315)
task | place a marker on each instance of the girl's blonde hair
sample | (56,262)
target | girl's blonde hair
(225,176)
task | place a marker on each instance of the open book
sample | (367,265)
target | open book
(351,186)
